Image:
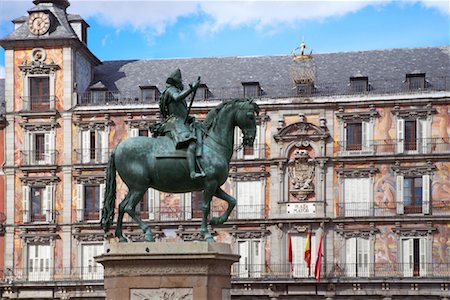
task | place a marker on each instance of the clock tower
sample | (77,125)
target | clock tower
(47,63)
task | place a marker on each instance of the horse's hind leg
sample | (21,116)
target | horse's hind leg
(122,205)
(231,204)
(130,208)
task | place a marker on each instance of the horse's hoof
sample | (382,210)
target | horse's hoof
(123,240)
(149,238)
(210,240)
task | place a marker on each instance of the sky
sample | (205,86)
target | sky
(146,29)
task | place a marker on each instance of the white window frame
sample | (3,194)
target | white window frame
(250,199)
(101,146)
(299,266)
(359,257)
(81,201)
(44,271)
(47,205)
(89,268)
(134,131)
(49,147)
(407,252)
(426,194)
(251,262)
(258,147)
(367,129)
(351,197)
(423,135)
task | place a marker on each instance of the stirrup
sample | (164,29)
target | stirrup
(195,175)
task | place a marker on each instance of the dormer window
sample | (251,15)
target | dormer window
(251,89)
(359,84)
(203,92)
(415,81)
(149,93)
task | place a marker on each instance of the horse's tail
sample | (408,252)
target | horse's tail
(110,194)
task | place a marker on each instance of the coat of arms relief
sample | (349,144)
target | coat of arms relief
(301,175)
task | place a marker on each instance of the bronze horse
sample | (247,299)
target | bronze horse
(138,162)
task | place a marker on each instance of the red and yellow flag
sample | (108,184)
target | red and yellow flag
(308,251)
(289,248)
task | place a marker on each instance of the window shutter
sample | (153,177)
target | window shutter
(134,132)
(101,198)
(400,203)
(80,202)
(257,258)
(350,257)
(187,206)
(419,135)
(47,152)
(344,136)
(238,141)
(363,257)
(400,135)
(423,257)
(367,138)
(32,148)
(27,147)
(26,203)
(105,145)
(426,194)
(151,203)
(408,259)
(85,146)
(244,262)
(48,203)
(298,247)
(423,135)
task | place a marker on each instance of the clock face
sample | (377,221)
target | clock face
(39,23)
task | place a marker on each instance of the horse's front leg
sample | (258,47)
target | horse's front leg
(206,209)
(231,204)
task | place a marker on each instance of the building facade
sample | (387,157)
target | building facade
(354,146)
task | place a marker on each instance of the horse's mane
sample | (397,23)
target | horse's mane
(211,118)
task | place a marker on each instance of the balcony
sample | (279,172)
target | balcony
(44,216)
(39,103)
(89,273)
(38,158)
(394,146)
(87,215)
(90,156)
(257,151)
(365,209)
(341,271)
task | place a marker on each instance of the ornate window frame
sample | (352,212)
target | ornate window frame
(38,68)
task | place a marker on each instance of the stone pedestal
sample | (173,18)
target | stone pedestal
(185,270)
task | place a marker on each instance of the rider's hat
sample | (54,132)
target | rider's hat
(175,78)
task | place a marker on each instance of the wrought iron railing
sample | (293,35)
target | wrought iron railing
(383,209)
(43,216)
(46,274)
(377,87)
(92,155)
(343,271)
(395,146)
(38,158)
(38,103)
(257,151)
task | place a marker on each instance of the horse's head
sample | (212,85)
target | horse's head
(246,121)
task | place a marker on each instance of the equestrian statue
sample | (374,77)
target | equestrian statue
(182,156)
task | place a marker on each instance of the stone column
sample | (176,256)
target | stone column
(187,270)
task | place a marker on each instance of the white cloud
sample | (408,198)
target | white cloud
(2,72)
(153,17)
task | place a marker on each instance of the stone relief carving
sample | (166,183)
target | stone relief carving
(301,175)
(162,294)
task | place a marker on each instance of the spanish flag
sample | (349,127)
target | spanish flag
(308,251)
(290,251)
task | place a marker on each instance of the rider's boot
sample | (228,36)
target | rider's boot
(191,162)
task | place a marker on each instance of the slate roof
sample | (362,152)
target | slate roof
(2,96)
(386,70)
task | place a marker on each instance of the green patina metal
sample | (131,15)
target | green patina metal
(162,163)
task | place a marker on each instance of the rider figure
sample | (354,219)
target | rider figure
(178,125)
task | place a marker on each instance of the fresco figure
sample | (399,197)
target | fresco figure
(384,125)
(442,144)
